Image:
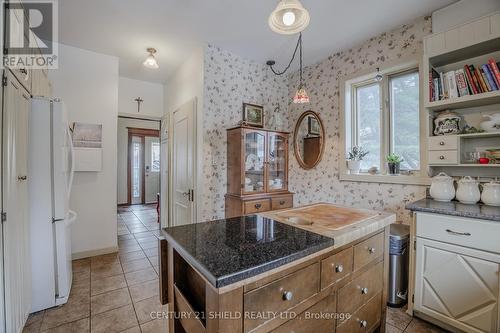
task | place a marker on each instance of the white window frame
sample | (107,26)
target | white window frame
(348,115)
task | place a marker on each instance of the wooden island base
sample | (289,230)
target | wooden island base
(340,290)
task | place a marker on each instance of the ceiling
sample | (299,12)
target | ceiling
(125,28)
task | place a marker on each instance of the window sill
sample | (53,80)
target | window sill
(387,179)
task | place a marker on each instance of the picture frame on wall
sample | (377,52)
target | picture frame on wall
(313,126)
(253,115)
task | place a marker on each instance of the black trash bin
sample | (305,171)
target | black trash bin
(398,265)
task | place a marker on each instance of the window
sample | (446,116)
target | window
(383,116)
(155,156)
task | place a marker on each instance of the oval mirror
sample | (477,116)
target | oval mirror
(309,140)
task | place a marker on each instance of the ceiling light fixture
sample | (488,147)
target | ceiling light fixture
(150,61)
(289,17)
(300,96)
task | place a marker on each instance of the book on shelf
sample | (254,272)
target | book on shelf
(489,75)
(462,87)
(496,71)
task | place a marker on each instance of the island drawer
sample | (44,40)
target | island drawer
(257,206)
(280,295)
(368,250)
(443,142)
(361,289)
(443,157)
(318,318)
(336,267)
(282,202)
(365,319)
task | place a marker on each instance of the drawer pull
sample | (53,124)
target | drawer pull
(22,178)
(371,250)
(287,296)
(441,157)
(258,206)
(339,268)
(363,323)
(441,143)
(364,291)
(458,233)
(282,202)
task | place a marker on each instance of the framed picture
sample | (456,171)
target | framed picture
(253,115)
(313,127)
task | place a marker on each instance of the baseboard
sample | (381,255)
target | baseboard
(123,204)
(93,253)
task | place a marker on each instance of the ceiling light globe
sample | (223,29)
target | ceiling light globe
(288,18)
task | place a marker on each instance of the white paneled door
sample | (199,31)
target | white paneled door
(183,169)
(457,285)
(15,230)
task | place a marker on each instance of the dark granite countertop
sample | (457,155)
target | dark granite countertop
(231,250)
(455,208)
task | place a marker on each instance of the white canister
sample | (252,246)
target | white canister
(468,190)
(491,194)
(442,188)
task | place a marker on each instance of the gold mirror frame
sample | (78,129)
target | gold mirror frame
(296,145)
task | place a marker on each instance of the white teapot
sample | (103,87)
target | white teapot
(491,193)
(468,190)
(492,124)
(442,188)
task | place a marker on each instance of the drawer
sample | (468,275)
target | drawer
(369,250)
(336,267)
(468,232)
(443,157)
(257,206)
(282,202)
(443,142)
(365,319)
(280,295)
(318,318)
(361,289)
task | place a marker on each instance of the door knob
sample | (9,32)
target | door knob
(371,250)
(364,291)
(258,206)
(363,323)
(339,268)
(287,296)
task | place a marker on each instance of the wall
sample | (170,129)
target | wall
(229,81)
(123,123)
(88,83)
(151,93)
(322,83)
(460,12)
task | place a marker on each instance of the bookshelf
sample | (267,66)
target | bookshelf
(472,43)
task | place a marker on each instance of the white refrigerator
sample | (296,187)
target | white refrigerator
(50,179)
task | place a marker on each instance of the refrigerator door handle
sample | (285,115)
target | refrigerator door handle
(72,154)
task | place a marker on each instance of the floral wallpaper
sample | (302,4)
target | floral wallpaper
(322,83)
(230,80)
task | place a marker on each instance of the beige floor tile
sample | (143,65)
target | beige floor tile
(420,326)
(103,285)
(130,248)
(144,308)
(141,276)
(79,326)
(125,237)
(109,301)
(123,232)
(78,307)
(144,290)
(136,265)
(132,330)
(36,317)
(129,256)
(151,252)
(398,318)
(155,326)
(116,320)
(104,260)
(81,278)
(154,260)
(106,270)
(81,265)
(127,242)
(150,245)
(392,329)
(143,235)
(149,239)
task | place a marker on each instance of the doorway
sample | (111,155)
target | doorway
(143,179)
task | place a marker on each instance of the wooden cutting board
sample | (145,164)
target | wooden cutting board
(326,215)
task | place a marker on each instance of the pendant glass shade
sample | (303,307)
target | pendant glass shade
(150,61)
(301,96)
(289,17)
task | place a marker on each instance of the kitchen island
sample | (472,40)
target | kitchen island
(263,274)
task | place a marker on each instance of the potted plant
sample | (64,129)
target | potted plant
(394,163)
(354,158)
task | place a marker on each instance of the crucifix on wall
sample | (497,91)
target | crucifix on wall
(139,101)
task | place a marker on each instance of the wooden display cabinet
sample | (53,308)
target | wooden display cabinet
(257,171)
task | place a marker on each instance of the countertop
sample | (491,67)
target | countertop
(231,250)
(455,208)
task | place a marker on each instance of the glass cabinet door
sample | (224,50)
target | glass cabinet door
(254,153)
(277,166)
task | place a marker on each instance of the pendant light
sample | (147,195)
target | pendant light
(289,17)
(150,61)
(300,96)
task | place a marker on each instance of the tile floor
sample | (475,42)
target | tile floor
(118,292)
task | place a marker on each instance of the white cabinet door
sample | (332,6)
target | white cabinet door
(457,285)
(16,106)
